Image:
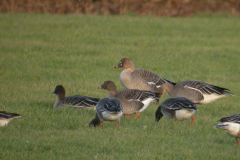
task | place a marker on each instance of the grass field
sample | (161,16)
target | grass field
(40,51)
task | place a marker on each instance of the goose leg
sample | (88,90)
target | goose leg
(192,120)
(117,124)
(101,124)
(136,115)
(237,141)
(237,138)
(128,115)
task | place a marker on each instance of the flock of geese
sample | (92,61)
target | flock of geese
(142,88)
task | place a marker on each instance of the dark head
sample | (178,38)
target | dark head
(59,90)
(108,85)
(95,122)
(158,114)
(125,63)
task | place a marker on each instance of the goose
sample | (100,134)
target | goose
(231,125)
(140,79)
(133,101)
(75,100)
(196,91)
(108,109)
(6,117)
(176,108)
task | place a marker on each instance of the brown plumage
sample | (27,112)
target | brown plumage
(196,91)
(140,79)
(133,101)
(74,101)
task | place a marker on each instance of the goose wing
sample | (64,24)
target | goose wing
(110,105)
(205,88)
(79,101)
(152,78)
(234,118)
(177,103)
(137,95)
(6,115)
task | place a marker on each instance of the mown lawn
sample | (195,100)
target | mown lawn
(40,51)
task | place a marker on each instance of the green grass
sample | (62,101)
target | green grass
(40,51)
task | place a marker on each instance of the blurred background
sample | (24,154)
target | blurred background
(109,7)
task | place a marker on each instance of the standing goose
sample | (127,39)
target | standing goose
(75,100)
(5,117)
(196,91)
(133,101)
(177,108)
(231,125)
(140,79)
(108,109)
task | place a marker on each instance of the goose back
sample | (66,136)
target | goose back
(234,118)
(6,115)
(182,89)
(178,108)
(151,77)
(135,101)
(205,88)
(198,92)
(78,101)
(109,109)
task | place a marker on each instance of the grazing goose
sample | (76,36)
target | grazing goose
(133,101)
(140,79)
(108,109)
(5,117)
(196,91)
(177,108)
(75,101)
(231,125)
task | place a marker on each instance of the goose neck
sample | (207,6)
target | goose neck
(166,87)
(111,94)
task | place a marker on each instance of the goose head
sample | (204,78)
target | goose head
(60,91)
(108,85)
(125,63)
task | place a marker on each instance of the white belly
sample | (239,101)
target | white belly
(111,116)
(4,122)
(210,98)
(232,129)
(146,103)
(184,114)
